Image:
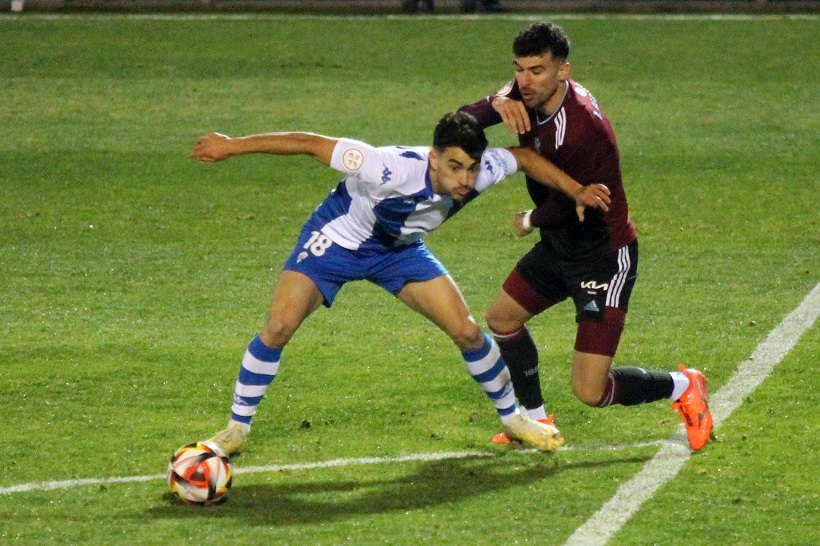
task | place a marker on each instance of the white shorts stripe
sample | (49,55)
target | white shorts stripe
(613,297)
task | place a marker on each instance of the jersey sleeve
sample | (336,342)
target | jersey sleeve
(483,110)
(496,165)
(354,157)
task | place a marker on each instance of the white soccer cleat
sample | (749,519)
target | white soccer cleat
(541,436)
(232,440)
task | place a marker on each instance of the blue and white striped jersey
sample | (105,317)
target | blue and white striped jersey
(386,200)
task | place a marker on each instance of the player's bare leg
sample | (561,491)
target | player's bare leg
(294,298)
(440,301)
(595,384)
(589,376)
(507,321)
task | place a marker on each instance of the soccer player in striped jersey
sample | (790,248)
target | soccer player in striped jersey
(370,228)
(593,260)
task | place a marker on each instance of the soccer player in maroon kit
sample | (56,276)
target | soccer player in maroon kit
(590,257)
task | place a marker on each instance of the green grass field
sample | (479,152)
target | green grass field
(133,279)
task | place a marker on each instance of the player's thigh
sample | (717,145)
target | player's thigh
(294,298)
(537,283)
(506,314)
(441,301)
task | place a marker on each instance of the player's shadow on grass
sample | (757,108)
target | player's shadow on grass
(292,498)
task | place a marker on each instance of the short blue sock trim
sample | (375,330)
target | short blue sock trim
(241,418)
(507,411)
(478,354)
(262,352)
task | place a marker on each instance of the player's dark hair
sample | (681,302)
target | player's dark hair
(540,38)
(460,130)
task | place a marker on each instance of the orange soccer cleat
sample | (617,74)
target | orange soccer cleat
(693,405)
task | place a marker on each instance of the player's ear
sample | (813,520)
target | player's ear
(433,159)
(564,72)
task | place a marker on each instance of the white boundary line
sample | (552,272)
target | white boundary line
(629,497)
(66,484)
(675,452)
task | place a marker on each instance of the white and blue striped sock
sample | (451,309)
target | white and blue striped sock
(490,371)
(259,368)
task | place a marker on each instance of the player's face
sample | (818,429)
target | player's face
(539,79)
(453,172)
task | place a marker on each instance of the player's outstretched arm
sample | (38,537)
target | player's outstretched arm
(216,146)
(545,172)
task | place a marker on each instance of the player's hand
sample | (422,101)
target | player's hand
(521,223)
(210,148)
(513,113)
(595,196)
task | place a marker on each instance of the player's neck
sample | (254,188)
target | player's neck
(555,100)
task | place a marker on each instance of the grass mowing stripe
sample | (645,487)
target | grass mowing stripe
(674,452)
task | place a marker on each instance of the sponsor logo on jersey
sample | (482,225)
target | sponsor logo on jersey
(352,159)
(592,285)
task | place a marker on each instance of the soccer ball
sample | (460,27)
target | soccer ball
(200,473)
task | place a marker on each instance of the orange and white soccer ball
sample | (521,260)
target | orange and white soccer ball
(200,473)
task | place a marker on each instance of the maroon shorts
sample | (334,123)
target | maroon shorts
(600,287)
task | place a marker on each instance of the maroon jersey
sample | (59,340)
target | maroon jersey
(578,139)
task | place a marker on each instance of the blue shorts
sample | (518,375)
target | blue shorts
(330,266)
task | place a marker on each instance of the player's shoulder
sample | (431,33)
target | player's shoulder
(584,105)
(407,161)
(402,170)
(411,153)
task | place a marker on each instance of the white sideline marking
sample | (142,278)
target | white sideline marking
(674,452)
(65,484)
(662,468)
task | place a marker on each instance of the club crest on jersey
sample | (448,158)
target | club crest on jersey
(352,159)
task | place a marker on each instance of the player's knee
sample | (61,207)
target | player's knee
(498,321)
(467,335)
(587,394)
(277,331)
